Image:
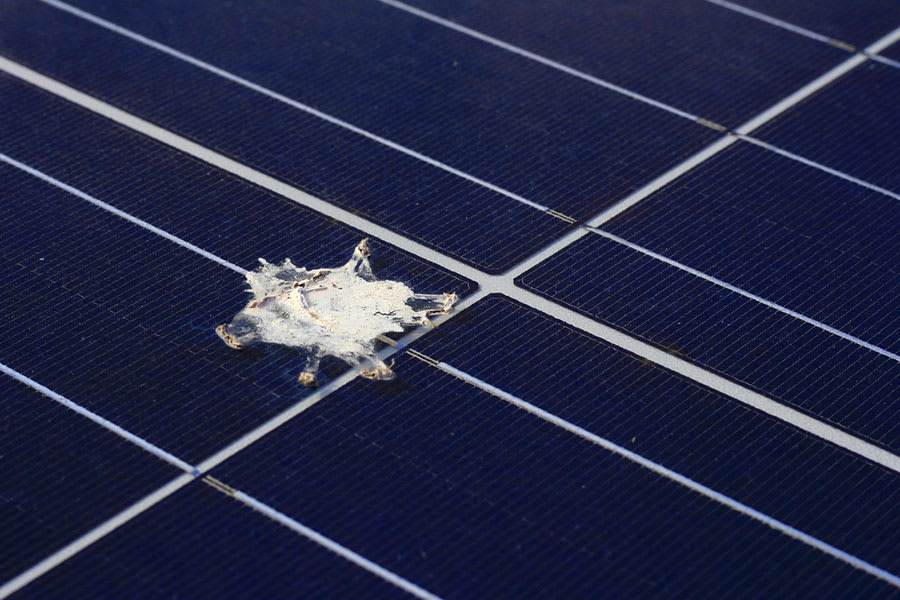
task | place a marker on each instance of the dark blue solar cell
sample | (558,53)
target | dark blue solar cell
(60,476)
(95,303)
(861,22)
(782,357)
(674,52)
(792,234)
(470,497)
(853,125)
(442,210)
(702,434)
(892,51)
(199,543)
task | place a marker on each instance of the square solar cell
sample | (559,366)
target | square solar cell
(198,543)
(120,319)
(852,125)
(860,23)
(467,496)
(60,476)
(707,436)
(673,52)
(775,353)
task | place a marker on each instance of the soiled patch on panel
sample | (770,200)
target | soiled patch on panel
(329,312)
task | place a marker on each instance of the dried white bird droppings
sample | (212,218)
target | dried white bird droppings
(329,312)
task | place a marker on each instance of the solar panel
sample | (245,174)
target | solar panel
(671,227)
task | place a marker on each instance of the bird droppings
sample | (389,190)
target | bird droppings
(329,312)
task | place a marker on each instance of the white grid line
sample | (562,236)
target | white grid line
(676,477)
(883,43)
(108,207)
(285,100)
(322,392)
(191,471)
(774,21)
(885,60)
(338,549)
(819,166)
(617,208)
(95,534)
(487,283)
(538,58)
(807,90)
(105,423)
(240,170)
(621,206)
(746,294)
(754,14)
(746,128)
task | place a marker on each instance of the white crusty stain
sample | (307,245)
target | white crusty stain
(329,312)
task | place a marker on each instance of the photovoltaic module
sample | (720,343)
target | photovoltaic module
(665,235)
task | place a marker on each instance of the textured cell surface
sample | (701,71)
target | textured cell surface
(665,417)
(199,543)
(60,476)
(541,134)
(674,52)
(859,23)
(124,261)
(456,490)
(791,234)
(787,233)
(775,353)
(862,136)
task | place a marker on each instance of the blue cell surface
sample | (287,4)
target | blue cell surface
(892,51)
(859,23)
(199,543)
(707,436)
(851,125)
(514,455)
(61,475)
(786,232)
(777,354)
(540,134)
(698,57)
(453,488)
